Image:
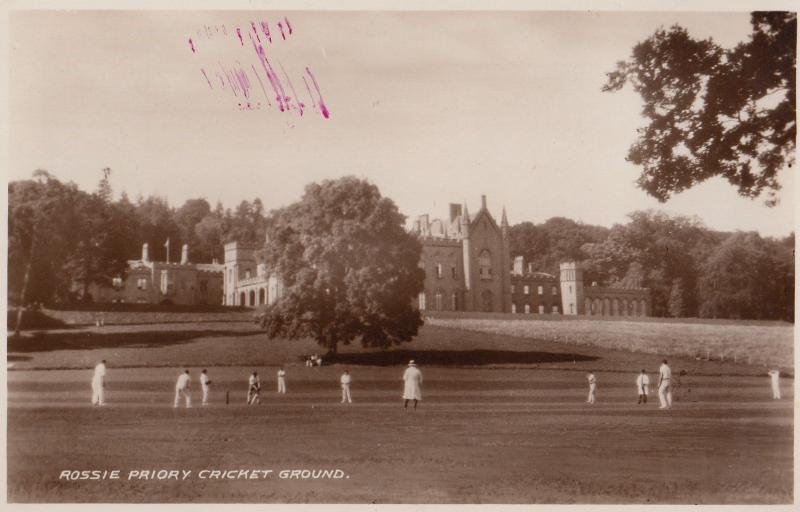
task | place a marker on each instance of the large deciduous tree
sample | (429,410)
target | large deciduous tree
(714,111)
(61,240)
(745,277)
(348,266)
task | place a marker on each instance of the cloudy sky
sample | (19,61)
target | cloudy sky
(433,107)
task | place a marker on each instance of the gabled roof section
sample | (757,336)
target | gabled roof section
(483,212)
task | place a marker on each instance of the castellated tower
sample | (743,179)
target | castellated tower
(572,288)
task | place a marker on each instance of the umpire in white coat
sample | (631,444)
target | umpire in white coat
(413,385)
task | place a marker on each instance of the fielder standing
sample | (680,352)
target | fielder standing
(592,388)
(643,387)
(205,384)
(345,380)
(664,386)
(254,389)
(99,384)
(775,376)
(281,381)
(413,385)
(183,387)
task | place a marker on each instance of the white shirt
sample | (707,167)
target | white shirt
(254,381)
(281,374)
(592,380)
(346,379)
(183,381)
(642,380)
(665,372)
(99,371)
(774,375)
(203,380)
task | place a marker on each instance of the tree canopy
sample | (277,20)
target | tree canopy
(714,111)
(690,270)
(65,239)
(349,269)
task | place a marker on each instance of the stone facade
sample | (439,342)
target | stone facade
(246,279)
(155,282)
(595,300)
(466,261)
(533,292)
(468,268)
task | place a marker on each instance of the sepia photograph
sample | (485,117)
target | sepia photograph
(366,256)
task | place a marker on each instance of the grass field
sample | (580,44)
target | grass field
(502,421)
(766,342)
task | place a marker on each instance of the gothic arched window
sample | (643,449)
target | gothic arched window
(485,264)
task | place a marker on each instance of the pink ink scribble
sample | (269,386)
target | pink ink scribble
(322,107)
(243,81)
(274,81)
(235,75)
(262,85)
(265,29)
(207,80)
(255,31)
(300,105)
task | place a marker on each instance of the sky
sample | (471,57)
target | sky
(432,107)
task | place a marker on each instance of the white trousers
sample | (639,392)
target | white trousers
(346,394)
(776,390)
(665,394)
(281,385)
(205,395)
(253,397)
(98,393)
(186,395)
(592,393)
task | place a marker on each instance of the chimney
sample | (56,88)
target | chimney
(455,211)
(483,202)
(518,265)
(424,221)
(145,252)
(185,254)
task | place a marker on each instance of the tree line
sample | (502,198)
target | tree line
(692,271)
(61,239)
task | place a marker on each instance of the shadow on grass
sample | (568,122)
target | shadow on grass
(34,319)
(14,358)
(87,340)
(454,357)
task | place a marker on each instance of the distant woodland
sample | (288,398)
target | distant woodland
(63,239)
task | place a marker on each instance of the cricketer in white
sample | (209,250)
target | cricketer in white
(664,389)
(182,387)
(99,384)
(345,380)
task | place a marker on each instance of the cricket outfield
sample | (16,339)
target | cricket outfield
(502,421)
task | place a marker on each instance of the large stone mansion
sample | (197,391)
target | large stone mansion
(468,267)
(467,264)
